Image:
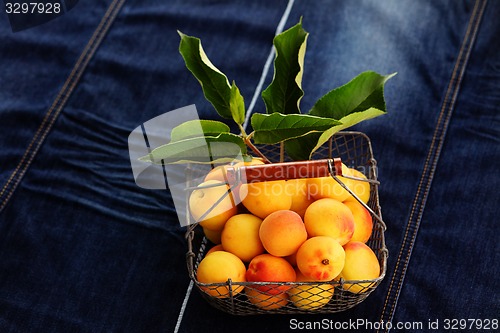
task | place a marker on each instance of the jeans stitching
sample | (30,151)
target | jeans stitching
(279,29)
(267,65)
(59,103)
(432,158)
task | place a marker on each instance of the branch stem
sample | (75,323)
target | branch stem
(256,150)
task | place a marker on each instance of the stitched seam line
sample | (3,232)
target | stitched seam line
(432,160)
(265,70)
(59,103)
(267,65)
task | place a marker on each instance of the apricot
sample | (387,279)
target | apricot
(263,198)
(240,236)
(282,232)
(292,259)
(205,208)
(215,248)
(219,267)
(213,235)
(363,222)
(360,188)
(327,187)
(320,258)
(310,296)
(268,268)
(220,173)
(361,263)
(300,195)
(330,217)
(264,300)
(253,161)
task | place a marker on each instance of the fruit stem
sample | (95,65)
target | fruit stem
(249,143)
(325,262)
(282,151)
(242,130)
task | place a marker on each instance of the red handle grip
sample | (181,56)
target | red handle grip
(284,171)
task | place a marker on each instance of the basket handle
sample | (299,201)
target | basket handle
(284,171)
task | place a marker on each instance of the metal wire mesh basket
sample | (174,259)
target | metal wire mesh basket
(244,298)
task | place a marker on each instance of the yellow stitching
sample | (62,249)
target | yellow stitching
(63,95)
(467,43)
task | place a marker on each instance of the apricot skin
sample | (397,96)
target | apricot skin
(282,233)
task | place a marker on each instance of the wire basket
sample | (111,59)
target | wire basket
(244,298)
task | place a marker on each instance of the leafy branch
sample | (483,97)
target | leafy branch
(300,133)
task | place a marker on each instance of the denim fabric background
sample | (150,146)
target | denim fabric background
(83,249)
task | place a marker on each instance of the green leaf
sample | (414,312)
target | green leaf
(300,149)
(278,127)
(303,148)
(214,83)
(196,128)
(284,93)
(237,105)
(360,99)
(348,121)
(363,92)
(224,147)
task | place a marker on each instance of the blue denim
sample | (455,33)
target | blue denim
(84,249)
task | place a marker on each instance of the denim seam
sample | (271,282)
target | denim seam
(59,103)
(268,63)
(279,29)
(431,162)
